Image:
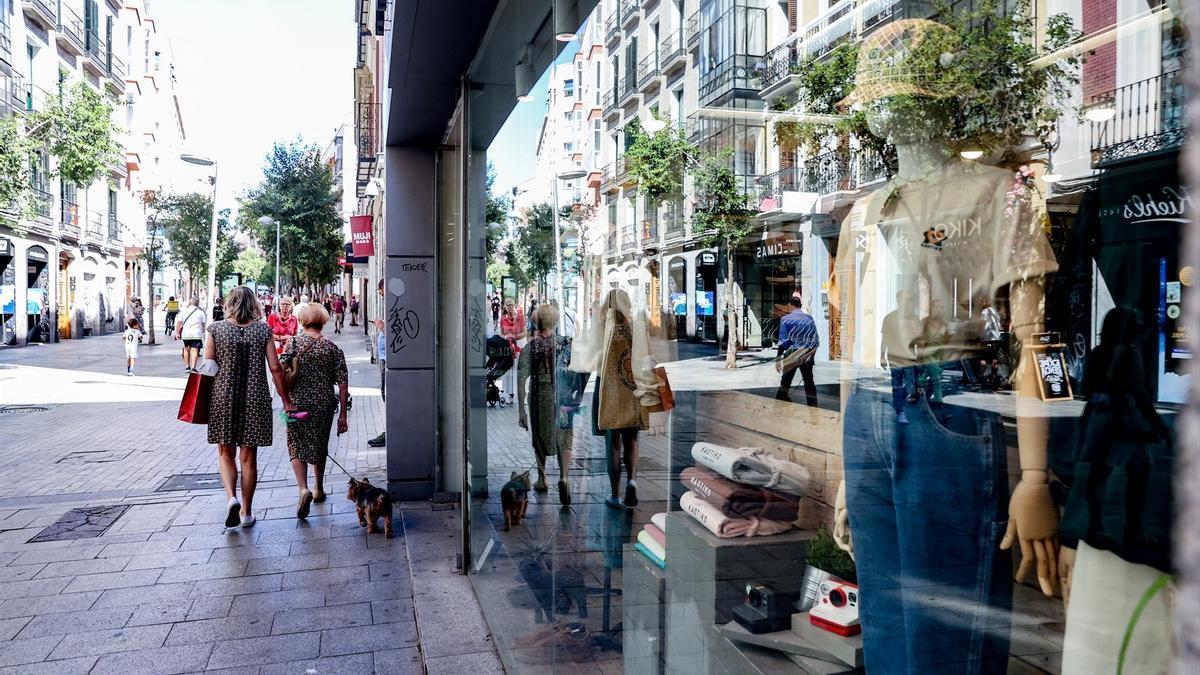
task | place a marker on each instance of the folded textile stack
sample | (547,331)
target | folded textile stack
(725,527)
(753,466)
(652,541)
(738,500)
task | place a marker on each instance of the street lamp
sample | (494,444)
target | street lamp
(571,174)
(201,160)
(268,221)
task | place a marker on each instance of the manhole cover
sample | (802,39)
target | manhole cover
(191,481)
(86,523)
(21,409)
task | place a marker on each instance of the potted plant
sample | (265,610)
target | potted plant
(824,559)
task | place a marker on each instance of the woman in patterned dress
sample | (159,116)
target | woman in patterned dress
(239,415)
(322,369)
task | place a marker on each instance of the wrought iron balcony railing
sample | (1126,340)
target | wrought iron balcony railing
(17,91)
(610,242)
(116,67)
(628,86)
(671,51)
(70,28)
(95,227)
(647,70)
(628,238)
(610,100)
(1137,119)
(40,12)
(95,45)
(693,28)
(671,218)
(649,231)
(629,12)
(612,26)
(42,203)
(70,218)
(114,230)
(5,37)
(845,21)
(740,71)
(826,173)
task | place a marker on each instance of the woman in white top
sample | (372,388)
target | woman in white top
(191,329)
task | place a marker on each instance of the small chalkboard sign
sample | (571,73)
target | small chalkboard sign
(1053,382)
(1050,338)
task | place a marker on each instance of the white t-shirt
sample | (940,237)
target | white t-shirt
(193,324)
(131,337)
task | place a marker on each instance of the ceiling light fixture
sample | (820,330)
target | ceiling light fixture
(566,19)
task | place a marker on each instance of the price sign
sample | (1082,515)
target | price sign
(1051,362)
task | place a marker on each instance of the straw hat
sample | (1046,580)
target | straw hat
(908,56)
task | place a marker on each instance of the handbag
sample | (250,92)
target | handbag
(197,395)
(667,396)
(293,369)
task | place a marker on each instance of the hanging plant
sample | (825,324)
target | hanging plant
(657,161)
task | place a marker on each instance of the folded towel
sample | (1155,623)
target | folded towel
(660,521)
(658,536)
(725,527)
(656,548)
(662,564)
(753,466)
(738,500)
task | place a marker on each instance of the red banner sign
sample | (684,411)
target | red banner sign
(361,237)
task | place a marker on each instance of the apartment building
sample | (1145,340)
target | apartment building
(73,266)
(370,185)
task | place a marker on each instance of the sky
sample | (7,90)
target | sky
(252,72)
(514,150)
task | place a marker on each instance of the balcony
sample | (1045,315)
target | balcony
(650,234)
(35,98)
(5,40)
(367,145)
(97,60)
(70,219)
(621,173)
(40,12)
(612,28)
(69,32)
(671,54)
(610,102)
(800,189)
(628,88)
(741,72)
(671,219)
(114,232)
(17,91)
(1146,117)
(846,21)
(629,13)
(648,72)
(116,73)
(693,30)
(95,227)
(627,239)
(43,203)
(610,243)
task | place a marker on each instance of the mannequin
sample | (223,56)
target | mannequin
(926,486)
(540,365)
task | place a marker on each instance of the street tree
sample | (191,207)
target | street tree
(297,191)
(186,221)
(154,252)
(533,247)
(724,215)
(251,265)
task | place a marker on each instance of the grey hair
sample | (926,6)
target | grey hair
(242,306)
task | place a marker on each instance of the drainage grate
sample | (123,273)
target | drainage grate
(21,409)
(86,523)
(190,481)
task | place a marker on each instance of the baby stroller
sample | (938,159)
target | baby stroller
(499,360)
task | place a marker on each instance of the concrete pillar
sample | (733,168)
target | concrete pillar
(21,287)
(410,315)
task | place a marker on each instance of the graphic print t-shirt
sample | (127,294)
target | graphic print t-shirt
(951,242)
(131,337)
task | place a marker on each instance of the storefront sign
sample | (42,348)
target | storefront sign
(708,258)
(341,261)
(1053,383)
(361,236)
(361,272)
(777,247)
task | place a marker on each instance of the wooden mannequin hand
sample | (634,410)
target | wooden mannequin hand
(1066,568)
(1033,523)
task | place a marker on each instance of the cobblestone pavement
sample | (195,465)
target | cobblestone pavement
(165,588)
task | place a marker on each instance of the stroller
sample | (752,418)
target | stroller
(499,360)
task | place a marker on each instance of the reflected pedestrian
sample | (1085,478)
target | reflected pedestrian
(339,313)
(240,411)
(798,343)
(191,330)
(353,310)
(284,325)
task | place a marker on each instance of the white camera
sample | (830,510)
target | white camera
(836,608)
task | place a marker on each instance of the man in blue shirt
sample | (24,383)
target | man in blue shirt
(798,342)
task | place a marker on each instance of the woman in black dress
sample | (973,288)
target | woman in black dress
(240,411)
(322,371)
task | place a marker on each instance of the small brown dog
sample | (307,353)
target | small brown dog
(514,499)
(372,503)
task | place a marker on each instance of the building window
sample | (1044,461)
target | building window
(596,143)
(579,79)
(569,88)
(596,102)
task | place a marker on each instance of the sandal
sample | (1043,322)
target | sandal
(306,499)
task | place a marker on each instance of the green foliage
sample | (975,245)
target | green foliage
(823,84)
(531,256)
(657,161)
(496,271)
(186,222)
(822,552)
(250,264)
(297,191)
(79,130)
(496,207)
(16,154)
(723,211)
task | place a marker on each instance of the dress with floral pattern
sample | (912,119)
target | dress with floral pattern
(240,410)
(322,371)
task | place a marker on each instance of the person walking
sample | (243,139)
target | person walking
(322,369)
(339,313)
(496,304)
(191,331)
(139,311)
(353,310)
(283,323)
(172,312)
(240,411)
(132,337)
(380,356)
(798,343)
(543,365)
(513,329)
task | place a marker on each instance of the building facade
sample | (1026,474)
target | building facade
(71,270)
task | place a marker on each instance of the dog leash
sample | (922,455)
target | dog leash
(329,455)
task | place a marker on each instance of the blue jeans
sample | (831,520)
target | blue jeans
(904,384)
(928,507)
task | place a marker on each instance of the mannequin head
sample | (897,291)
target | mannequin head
(618,301)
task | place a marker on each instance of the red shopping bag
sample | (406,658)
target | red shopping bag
(196,396)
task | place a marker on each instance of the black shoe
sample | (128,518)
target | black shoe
(379,441)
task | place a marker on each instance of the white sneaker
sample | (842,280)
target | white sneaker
(249,520)
(232,518)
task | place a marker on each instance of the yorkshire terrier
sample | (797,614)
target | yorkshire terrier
(514,499)
(371,503)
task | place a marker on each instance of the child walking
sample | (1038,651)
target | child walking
(133,335)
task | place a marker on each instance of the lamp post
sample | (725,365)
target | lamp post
(268,221)
(571,174)
(200,160)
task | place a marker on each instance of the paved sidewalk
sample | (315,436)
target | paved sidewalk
(165,588)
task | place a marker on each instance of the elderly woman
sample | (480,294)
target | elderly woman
(239,415)
(322,369)
(283,323)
